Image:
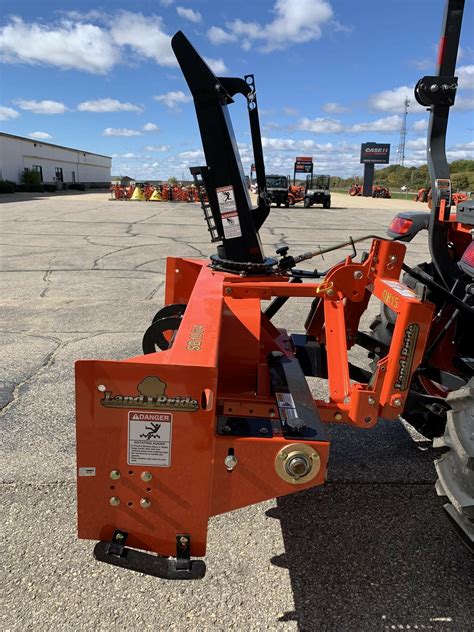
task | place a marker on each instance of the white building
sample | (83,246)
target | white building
(55,164)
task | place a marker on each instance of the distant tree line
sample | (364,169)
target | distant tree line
(396,176)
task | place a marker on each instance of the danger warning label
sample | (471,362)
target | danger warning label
(149,438)
(228,209)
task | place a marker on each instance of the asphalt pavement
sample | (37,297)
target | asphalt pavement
(371,550)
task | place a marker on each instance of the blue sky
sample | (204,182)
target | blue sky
(329,75)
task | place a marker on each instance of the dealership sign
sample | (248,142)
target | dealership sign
(375,153)
(304,164)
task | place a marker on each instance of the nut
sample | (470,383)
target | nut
(102,388)
(358,274)
(114,501)
(329,292)
(145,503)
(146,476)
(371,400)
(397,402)
(338,416)
(228,290)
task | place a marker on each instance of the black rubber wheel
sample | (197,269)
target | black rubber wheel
(175,309)
(155,340)
(278,204)
(327,203)
(287,203)
(307,203)
(455,468)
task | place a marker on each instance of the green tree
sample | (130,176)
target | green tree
(29,176)
(172,181)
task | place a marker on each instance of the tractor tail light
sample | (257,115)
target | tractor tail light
(400,225)
(467,260)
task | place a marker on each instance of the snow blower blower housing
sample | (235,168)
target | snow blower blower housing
(217,413)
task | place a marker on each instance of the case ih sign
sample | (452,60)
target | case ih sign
(371,153)
(304,164)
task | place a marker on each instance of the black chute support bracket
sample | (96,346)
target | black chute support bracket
(234,216)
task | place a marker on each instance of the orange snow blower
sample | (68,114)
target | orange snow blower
(217,413)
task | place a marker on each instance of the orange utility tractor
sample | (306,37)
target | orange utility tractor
(217,413)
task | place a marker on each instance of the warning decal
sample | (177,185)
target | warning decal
(286,406)
(149,438)
(228,209)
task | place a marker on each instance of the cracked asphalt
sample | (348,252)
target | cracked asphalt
(82,278)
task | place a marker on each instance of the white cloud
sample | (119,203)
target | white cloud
(156,147)
(108,105)
(295,22)
(290,111)
(320,125)
(120,131)
(216,65)
(387,124)
(42,107)
(7,114)
(464,104)
(192,155)
(173,98)
(290,144)
(465,76)
(40,136)
(393,100)
(217,35)
(166,3)
(334,108)
(67,45)
(150,127)
(461,151)
(188,14)
(420,125)
(144,35)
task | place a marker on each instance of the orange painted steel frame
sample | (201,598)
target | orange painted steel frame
(217,365)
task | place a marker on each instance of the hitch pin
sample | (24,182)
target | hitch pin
(325,288)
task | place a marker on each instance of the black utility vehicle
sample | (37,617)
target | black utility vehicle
(277,189)
(317,191)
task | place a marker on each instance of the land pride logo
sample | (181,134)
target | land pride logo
(152,395)
(407,354)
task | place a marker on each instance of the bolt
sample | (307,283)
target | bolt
(338,416)
(230,462)
(358,274)
(272,413)
(145,503)
(228,290)
(183,540)
(392,258)
(102,388)
(226,428)
(146,476)
(368,420)
(330,292)
(371,400)
(397,402)
(119,536)
(263,430)
(177,270)
(115,475)
(114,501)
(434,87)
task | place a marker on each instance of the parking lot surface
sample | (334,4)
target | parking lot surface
(82,278)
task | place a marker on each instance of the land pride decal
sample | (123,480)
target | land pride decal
(152,395)
(407,353)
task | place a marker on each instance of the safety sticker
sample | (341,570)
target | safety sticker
(285,400)
(87,471)
(401,289)
(228,209)
(149,438)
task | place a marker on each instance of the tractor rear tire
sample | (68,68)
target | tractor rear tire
(455,468)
